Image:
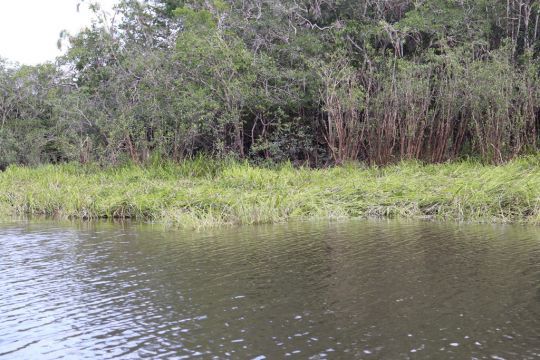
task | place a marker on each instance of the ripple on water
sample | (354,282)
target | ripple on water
(307,290)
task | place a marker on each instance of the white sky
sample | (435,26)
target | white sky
(29,29)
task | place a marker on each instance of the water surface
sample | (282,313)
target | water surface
(360,289)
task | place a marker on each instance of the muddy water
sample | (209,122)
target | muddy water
(355,289)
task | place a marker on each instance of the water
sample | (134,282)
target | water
(381,290)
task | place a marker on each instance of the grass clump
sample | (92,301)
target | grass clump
(202,193)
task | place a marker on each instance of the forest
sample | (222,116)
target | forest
(311,82)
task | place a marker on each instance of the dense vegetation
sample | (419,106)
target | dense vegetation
(204,192)
(312,81)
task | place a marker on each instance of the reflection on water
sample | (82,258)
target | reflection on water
(310,290)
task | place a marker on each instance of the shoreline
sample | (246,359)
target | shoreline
(207,193)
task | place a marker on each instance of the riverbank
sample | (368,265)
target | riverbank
(205,193)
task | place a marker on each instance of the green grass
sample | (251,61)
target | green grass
(204,192)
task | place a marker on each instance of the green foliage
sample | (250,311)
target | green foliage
(194,20)
(314,83)
(204,192)
(445,18)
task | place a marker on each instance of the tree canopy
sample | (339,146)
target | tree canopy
(311,81)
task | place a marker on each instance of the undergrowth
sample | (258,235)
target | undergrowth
(204,192)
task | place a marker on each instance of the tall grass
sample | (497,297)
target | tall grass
(204,193)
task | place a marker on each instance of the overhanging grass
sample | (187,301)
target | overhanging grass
(203,193)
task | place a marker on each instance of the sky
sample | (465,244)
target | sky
(29,29)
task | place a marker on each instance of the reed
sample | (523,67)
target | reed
(205,193)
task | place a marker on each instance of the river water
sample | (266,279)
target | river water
(359,289)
